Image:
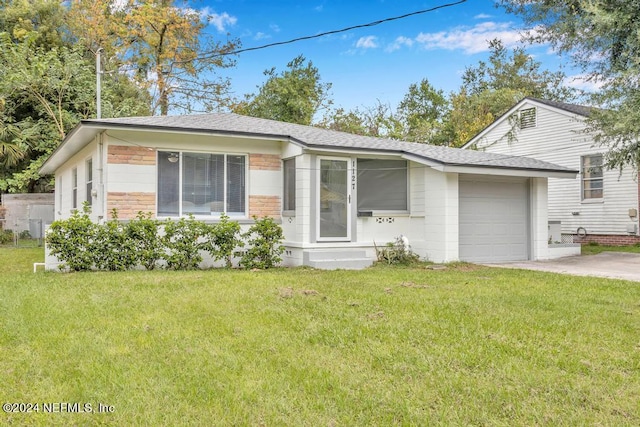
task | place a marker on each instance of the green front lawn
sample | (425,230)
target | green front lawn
(386,346)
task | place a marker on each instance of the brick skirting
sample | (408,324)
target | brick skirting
(608,239)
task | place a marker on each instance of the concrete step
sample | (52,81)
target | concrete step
(348,259)
(344,264)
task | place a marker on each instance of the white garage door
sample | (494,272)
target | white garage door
(494,219)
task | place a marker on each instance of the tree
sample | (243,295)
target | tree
(379,121)
(172,57)
(293,96)
(491,88)
(423,110)
(47,86)
(602,38)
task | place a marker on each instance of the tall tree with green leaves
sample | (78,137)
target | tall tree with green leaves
(165,48)
(491,88)
(603,39)
(295,95)
(423,110)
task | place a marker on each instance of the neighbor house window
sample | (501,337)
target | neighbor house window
(289,191)
(528,118)
(592,178)
(74,187)
(382,185)
(201,184)
(89,197)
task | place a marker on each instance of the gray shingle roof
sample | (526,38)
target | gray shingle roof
(314,137)
(581,110)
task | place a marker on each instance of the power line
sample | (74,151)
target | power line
(326,33)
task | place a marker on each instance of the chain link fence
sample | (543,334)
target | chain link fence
(12,234)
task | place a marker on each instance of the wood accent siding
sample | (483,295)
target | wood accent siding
(269,162)
(130,155)
(129,204)
(264,206)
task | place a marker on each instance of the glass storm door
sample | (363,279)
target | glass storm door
(334,216)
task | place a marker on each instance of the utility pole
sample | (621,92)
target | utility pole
(98,84)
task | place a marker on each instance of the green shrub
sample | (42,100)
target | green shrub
(264,239)
(397,252)
(222,239)
(6,236)
(145,240)
(181,240)
(24,234)
(72,240)
(112,248)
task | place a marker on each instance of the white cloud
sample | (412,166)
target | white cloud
(261,36)
(482,16)
(399,43)
(583,82)
(275,28)
(221,21)
(368,42)
(470,39)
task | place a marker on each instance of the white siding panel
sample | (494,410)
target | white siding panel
(132,178)
(559,138)
(265,183)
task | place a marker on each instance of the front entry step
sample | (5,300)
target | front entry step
(354,259)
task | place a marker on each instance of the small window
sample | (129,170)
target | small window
(289,190)
(528,118)
(592,178)
(382,185)
(74,187)
(89,197)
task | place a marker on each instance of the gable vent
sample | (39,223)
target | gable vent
(528,118)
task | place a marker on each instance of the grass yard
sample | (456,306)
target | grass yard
(385,346)
(596,249)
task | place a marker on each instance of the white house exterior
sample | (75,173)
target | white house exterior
(336,195)
(598,205)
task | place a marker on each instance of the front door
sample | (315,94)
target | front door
(334,204)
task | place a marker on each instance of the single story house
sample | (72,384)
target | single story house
(598,205)
(336,195)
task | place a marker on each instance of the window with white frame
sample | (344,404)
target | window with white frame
(89,167)
(382,185)
(201,184)
(289,190)
(74,188)
(592,177)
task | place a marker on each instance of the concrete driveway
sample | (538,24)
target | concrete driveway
(613,265)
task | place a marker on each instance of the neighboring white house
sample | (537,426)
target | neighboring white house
(337,195)
(598,205)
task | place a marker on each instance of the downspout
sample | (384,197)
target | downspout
(101,197)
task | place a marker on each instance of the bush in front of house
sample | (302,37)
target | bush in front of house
(145,237)
(264,239)
(72,240)
(81,245)
(222,240)
(112,249)
(181,240)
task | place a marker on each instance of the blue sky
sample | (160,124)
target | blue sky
(369,64)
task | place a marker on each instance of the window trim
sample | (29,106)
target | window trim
(583,179)
(181,214)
